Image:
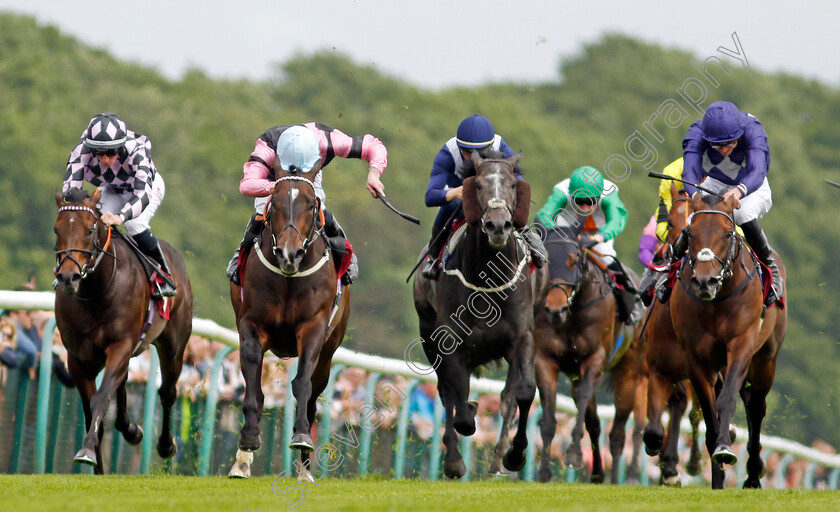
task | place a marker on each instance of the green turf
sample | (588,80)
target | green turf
(32,493)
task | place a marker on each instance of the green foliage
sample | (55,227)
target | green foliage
(203,131)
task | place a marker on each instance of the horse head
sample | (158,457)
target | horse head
(495,198)
(567,265)
(712,244)
(79,235)
(293,218)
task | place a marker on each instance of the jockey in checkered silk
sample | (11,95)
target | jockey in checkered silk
(119,162)
(451,166)
(728,151)
(589,198)
(307,149)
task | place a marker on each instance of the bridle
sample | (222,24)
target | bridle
(314,230)
(707,254)
(95,254)
(495,203)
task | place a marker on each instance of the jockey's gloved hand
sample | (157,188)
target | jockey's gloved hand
(588,241)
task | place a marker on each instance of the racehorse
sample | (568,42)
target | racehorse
(668,366)
(718,315)
(288,304)
(481,308)
(577,334)
(104,315)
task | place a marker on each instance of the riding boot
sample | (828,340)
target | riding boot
(251,233)
(648,284)
(758,241)
(536,247)
(432,268)
(147,243)
(625,292)
(337,240)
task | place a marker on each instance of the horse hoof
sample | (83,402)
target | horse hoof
(85,456)
(724,455)
(514,460)
(455,469)
(166,451)
(545,475)
(752,484)
(465,428)
(693,468)
(133,436)
(301,442)
(671,481)
(304,475)
(242,467)
(653,443)
(596,479)
(573,458)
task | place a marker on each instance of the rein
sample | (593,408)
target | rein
(516,276)
(313,234)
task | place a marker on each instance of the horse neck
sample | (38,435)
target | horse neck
(592,278)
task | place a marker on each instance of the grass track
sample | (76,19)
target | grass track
(36,493)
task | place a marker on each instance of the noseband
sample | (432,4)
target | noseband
(95,255)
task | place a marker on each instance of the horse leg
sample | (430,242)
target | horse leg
(634,467)
(250,360)
(547,372)
(726,403)
(507,411)
(704,393)
(593,428)
(116,370)
(624,393)
(669,457)
(171,362)
(310,339)
(695,415)
(521,379)
(658,389)
(453,386)
(320,377)
(86,384)
(755,402)
(132,433)
(583,392)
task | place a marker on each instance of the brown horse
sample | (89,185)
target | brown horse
(718,315)
(101,311)
(668,366)
(287,304)
(577,333)
(482,307)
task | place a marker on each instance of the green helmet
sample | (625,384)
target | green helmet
(587,182)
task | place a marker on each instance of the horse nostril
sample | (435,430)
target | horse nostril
(299,254)
(508,225)
(713,281)
(695,282)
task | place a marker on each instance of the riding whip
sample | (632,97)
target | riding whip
(442,231)
(654,174)
(833,183)
(405,216)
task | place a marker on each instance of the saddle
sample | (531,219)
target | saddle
(153,272)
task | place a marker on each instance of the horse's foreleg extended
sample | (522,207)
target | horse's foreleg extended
(453,386)
(87,387)
(250,359)
(583,391)
(625,401)
(755,402)
(311,340)
(669,457)
(521,380)
(726,402)
(547,372)
(507,411)
(702,382)
(132,433)
(171,362)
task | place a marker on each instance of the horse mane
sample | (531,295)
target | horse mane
(711,199)
(76,195)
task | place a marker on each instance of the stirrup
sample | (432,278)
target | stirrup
(163,290)
(432,269)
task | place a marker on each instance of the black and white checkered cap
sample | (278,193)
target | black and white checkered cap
(105,130)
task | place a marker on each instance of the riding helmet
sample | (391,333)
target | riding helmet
(475,132)
(722,122)
(297,149)
(106,130)
(586,182)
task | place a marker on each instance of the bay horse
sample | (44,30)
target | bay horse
(577,333)
(287,304)
(718,314)
(103,313)
(668,368)
(481,308)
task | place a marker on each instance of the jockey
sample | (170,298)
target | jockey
(309,148)
(119,162)
(451,166)
(587,197)
(728,151)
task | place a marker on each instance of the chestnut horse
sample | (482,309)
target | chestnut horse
(102,310)
(718,314)
(287,304)
(482,307)
(668,366)
(577,333)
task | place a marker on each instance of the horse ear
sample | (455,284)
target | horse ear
(95,195)
(514,160)
(469,200)
(59,199)
(523,204)
(674,191)
(697,201)
(571,260)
